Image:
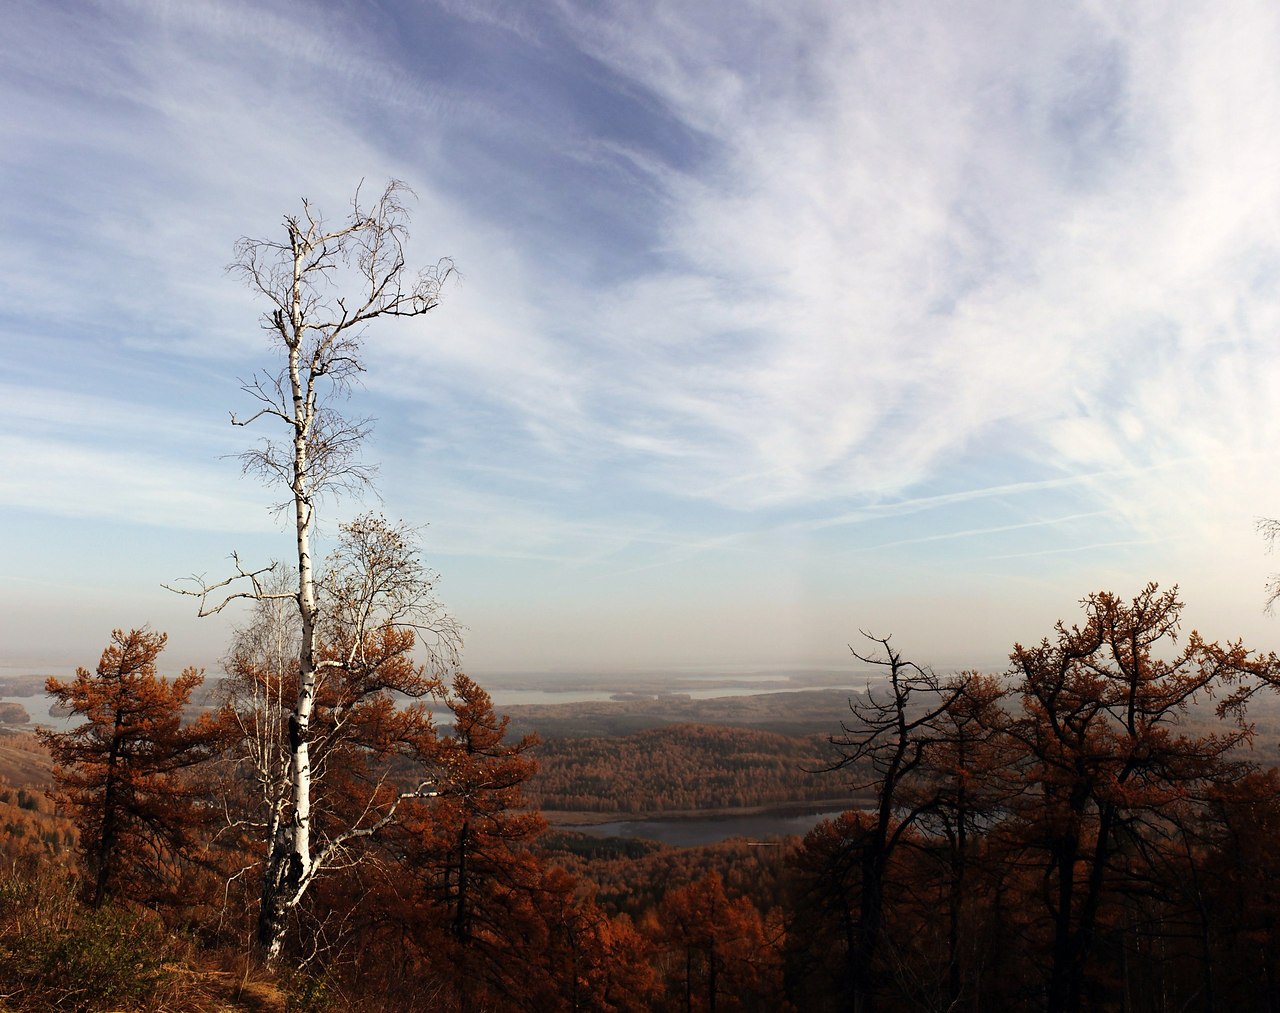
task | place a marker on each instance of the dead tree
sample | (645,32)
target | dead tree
(885,748)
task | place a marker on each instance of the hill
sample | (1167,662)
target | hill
(680,768)
(798,712)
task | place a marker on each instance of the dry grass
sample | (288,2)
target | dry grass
(24,762)
(213,991)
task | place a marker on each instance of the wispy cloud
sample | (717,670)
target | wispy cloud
(847,275)
(135,485)
(904,238)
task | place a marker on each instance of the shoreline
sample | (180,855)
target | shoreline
(564,819)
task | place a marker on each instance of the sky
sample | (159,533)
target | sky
(774,323)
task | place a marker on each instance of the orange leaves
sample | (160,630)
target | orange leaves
(118,771)
(1109,754)
(722,958)
(480,776)
(1104,714)
(680,767)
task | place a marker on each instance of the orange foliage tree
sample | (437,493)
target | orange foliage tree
(466,844)
(963,790)
(324,283)
(362,744)
(718,956)
(480,810)
(1109,755)
(476,916)
(119,772)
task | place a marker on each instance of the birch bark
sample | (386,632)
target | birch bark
(323,286)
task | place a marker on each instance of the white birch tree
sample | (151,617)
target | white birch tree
(324,284)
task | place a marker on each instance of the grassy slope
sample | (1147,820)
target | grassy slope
(24,762)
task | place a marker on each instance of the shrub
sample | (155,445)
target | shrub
(57,954)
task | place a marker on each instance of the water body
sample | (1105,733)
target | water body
(514,697)
(36,703)
(686,833)
(38,709)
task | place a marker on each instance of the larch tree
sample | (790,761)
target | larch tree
(717,950)
(118,772)
(1109,753)
(963,791)
(323,284)
(480,812)
(476,885)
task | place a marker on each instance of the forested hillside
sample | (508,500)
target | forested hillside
(798,713)
(345,822)
(681,767)
(1081,832)
(30,825)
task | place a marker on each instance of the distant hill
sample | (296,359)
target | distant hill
(682,768)
(13,713)
(798,712)
(22,685)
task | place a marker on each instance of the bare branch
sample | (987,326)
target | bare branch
(1269,529)
(356,624)
(205,589)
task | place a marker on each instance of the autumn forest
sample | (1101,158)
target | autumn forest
(1089,830)
(341,819)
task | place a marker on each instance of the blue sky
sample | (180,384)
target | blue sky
(775,321)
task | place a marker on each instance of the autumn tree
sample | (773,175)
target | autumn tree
(258,693)
(480,810)
(477,917)
(719,955)
(1109,752)
(551,947)
(589,961)
(119,771)
(476,884)
(323,285)
(1238,885)
(363,741)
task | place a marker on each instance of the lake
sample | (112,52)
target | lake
(687,833)
(38,709)
(522,694)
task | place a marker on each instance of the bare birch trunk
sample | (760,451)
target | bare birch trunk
(289,863)
(321,334)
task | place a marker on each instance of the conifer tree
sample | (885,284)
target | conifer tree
(1109,753)
(118,772)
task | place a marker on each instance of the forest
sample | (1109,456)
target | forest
(680,768)
(1089,830)
(345,822)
